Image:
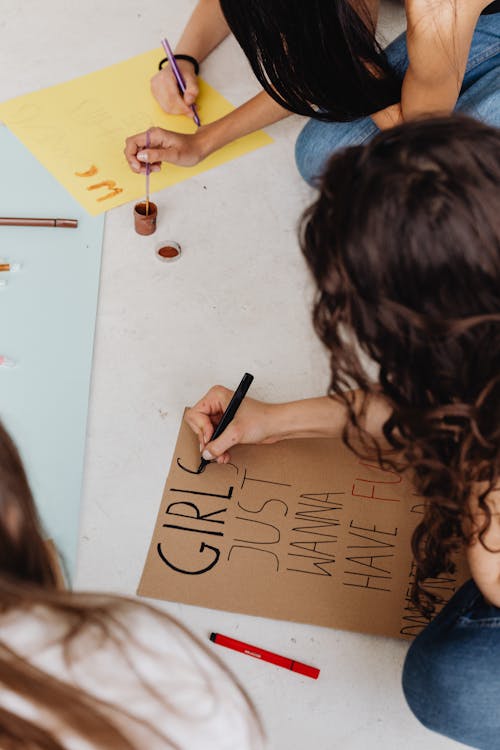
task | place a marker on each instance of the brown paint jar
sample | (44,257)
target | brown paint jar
(168,251)
(145,223)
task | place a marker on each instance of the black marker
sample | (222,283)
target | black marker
(228,416)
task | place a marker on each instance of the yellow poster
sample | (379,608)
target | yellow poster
(77,130)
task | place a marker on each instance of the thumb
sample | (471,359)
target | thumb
(219,448)
(191,93)
(151,155)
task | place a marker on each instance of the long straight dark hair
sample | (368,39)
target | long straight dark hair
(404,245)
(27,582)
(318,58)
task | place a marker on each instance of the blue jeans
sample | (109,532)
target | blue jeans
(479,98)
(451,676)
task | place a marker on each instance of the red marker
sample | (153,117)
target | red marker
(260,653)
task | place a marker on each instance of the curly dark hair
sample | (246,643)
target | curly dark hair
(404,245)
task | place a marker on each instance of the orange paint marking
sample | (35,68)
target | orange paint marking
(89,173)
(114,191)
(111,185)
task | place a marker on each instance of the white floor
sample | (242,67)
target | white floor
(237,300)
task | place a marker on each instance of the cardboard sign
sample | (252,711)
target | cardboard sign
(302,530)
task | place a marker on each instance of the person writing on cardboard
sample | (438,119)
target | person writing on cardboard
(403,244)
(322,60)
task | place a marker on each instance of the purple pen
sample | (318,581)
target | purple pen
(178,75)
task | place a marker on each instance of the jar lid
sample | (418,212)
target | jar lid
(168,251)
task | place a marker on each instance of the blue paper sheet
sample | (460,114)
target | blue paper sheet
(47,320)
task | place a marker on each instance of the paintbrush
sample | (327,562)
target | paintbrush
(148,170)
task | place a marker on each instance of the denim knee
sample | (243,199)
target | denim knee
(421,686)
(451,677)
(306,156)
(482,98)
(319,140)
(436,695)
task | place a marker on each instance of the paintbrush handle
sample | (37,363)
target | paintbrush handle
(148,171)
(173,64)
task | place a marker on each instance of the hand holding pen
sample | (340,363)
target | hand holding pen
(179,78)
(167,93)
(254,422)
(228,416)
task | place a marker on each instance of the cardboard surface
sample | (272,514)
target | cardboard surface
(47,319)
(301,530)
(77,130)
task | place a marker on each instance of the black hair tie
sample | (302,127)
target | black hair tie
(194,62)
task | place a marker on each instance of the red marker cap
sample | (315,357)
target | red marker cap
(305,669)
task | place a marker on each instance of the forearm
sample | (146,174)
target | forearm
(205,29)
(419,99)
(186,150)
(256,113)
(327,417)
(259,422)
(439,37)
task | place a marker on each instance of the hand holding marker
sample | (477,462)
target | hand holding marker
(228,415)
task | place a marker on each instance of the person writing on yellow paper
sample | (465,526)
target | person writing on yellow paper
(322,60)
(89,671)
(404,247)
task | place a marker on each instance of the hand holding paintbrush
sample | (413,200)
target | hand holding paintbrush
(148,172)
(145,212)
